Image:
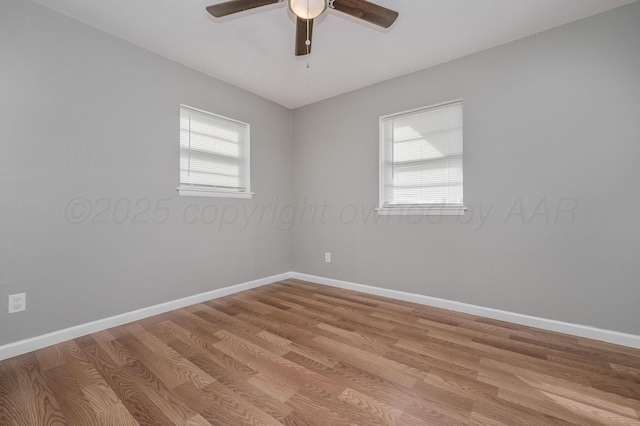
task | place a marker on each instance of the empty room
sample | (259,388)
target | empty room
(319,212)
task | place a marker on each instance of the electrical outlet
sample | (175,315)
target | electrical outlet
(17,302)
(327,257)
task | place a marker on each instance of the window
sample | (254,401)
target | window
(421,161)
(214,155)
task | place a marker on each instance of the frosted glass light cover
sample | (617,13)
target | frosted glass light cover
(307,9)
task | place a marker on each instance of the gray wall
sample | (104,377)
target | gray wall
(87,115)
(89,127)
(552,150)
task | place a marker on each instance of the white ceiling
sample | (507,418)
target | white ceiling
(254,49)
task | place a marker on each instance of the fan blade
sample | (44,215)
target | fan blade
(304,31)
(234,6)
(367,11)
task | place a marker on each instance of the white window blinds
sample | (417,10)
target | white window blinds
(421,158)
(214,153)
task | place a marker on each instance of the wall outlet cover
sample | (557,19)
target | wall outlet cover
(17,302)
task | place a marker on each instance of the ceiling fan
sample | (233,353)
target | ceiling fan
(307,10)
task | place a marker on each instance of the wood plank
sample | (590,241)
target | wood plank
(73,402)
(127,389)
(37,402)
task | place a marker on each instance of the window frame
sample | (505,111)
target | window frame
(187,189)
(415,209)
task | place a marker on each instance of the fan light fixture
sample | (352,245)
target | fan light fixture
(307,9)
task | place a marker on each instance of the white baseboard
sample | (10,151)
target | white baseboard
(39,342)
(588,332)
(34,343)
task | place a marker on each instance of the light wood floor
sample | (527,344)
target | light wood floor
(296,353)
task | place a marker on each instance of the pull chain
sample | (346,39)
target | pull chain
(308,41)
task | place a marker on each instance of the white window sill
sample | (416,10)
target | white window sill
(421,211)
(205,192)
